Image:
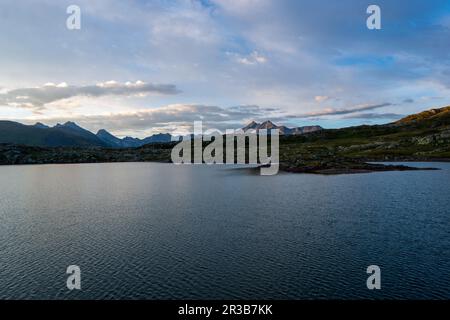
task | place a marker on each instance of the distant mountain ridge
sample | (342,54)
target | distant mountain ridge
(130,142)
(65,135)
(69,134)
(268,125)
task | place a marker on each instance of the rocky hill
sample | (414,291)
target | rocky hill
(267,125)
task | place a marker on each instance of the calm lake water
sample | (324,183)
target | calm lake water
(158,231)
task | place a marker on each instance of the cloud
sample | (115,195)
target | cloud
(334,112)
(281,52)
(252,59)
(240,7)
(321,98)
(37,98)
(179,118)
(371,116)
(174,118)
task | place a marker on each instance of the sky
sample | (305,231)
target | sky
(139,67)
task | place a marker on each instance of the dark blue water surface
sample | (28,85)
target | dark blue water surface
(159,231)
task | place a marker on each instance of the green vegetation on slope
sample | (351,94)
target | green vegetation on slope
(421,137)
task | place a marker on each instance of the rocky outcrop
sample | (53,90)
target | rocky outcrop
(268,125)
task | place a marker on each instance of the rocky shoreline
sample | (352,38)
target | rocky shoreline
(352,168)
(26,155)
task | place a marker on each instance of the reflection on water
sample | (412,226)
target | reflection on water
(158,231)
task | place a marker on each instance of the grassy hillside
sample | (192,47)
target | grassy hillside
(424,136)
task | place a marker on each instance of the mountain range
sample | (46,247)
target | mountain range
(70,134)
(129,142)
(423,136)
(268,125)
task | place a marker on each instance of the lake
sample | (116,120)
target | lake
(159,231)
